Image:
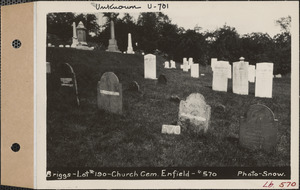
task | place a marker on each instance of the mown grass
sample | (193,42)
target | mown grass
(88,137)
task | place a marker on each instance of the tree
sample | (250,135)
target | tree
(284,23)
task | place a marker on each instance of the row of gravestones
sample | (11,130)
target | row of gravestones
(243,73)
(258,130)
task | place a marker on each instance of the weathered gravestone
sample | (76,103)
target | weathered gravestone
(194,113)
(251,73)
(186,67)
(258,130)
(167,65)
(162,79)
(68,84)
(264,80)
(191,61)
(109,95)
(195,70)
(150,66)
(220,76)
(240,84)
(48,68)
(171,129)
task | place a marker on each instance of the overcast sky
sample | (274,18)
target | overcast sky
(244,16)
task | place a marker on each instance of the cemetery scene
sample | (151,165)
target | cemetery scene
(125,91)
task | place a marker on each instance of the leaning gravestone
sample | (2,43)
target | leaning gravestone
(195,70)
(259,129)
(150,66)
(194,113)
(240,84)
(162,79)
(109,95)
(220,76)
(251,73)
(264,80)
(68,83)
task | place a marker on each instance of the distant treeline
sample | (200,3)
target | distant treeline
(155,33)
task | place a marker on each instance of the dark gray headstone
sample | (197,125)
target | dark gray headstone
(109,95)
(259,129)
(68,83)
(162,79)
(134,86)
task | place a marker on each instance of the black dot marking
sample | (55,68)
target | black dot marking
(16,44)
(15,147)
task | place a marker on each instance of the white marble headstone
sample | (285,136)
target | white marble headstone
(195,70)
(240,84)
(221,75)
(167,64)
(264,80)
(173,65)
(150,66)
(212,63)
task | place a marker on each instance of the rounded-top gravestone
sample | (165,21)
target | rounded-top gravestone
(258,130)
(110,93)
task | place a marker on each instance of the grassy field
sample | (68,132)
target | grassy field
(88,137)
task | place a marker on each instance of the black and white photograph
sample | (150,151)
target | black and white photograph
(200,91)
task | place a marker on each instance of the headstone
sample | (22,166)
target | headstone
(74,38)
(150,66)
(48,68)
(134,86)
(258,130)
(194,113)
(173,65)
(67,46)
(68,84)
(195,70)
(220,76)
(49,45)
(212,63)
(112,42)
(190,61)
(278,76)
(167,65)
(109,96)
(171,129)
(81,34)
(162,79)
(264,80)
(129,47)
(251,73)
(61,46)
(240,84)
(186,67)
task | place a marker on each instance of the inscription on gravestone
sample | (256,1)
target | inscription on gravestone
(109,95)
(258,130)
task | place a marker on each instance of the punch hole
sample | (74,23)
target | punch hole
(15,147)
(16,44)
